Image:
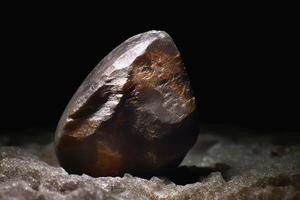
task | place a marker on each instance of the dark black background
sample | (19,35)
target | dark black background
(243,67)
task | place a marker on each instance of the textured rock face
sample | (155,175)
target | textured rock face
(134,113)
(252,173)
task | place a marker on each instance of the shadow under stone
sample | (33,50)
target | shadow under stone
(191,174)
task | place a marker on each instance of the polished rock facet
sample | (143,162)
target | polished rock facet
(134,113)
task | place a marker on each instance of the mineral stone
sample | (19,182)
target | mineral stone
(134,113)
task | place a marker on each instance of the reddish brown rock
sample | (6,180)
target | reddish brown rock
(134,113)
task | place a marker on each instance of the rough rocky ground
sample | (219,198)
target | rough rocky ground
(238,164)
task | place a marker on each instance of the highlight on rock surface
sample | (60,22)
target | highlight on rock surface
(134,113)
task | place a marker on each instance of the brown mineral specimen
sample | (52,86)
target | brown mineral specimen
(134,113)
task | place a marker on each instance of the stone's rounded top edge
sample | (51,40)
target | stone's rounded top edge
(159,33)
(152,34)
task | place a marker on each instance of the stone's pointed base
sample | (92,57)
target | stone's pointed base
(134,113)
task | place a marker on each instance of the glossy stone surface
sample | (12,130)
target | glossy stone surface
(134,113)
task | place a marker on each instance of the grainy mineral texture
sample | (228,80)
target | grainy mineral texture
(219,166)
(134,113)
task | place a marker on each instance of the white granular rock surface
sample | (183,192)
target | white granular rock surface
(249,168)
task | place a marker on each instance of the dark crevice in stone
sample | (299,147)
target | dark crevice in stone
(92,105)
